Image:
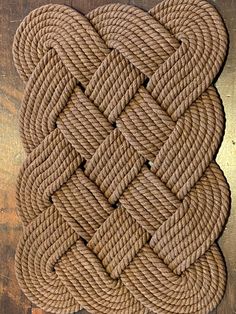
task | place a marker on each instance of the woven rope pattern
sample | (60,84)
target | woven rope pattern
(120,196)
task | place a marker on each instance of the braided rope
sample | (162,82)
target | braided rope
(120,196)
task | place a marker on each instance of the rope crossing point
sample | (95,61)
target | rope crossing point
(120,197)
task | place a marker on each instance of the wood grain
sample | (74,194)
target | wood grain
(12,300)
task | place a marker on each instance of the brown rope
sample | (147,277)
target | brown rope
(120,196)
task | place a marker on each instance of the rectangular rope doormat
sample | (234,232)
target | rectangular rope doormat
(120,196)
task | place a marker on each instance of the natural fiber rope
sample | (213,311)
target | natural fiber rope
(120,196)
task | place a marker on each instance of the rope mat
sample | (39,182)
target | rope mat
(120,197)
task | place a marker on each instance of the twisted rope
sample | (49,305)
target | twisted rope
(120,197)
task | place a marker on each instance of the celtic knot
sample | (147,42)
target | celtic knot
(120,197)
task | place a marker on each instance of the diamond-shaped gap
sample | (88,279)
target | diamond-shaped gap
(149,164)
(83,165)
(50,199)
(85,242)
(81,87)
(115,205)
(146,81)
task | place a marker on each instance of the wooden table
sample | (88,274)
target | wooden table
(12,300)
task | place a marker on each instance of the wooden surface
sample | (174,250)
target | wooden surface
(12,300)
